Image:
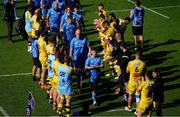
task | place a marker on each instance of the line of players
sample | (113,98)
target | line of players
(70,48)
(131,74)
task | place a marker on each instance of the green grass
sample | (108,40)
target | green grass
(161,50)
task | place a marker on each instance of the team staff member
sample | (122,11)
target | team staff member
(65,86)
(137,16)
(79,48)
(136,70)
(93,64)
(9,18)
(158,96)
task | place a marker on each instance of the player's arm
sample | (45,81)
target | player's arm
(99,66)
(71,49)
(131,14)
(87,64)
(128,68)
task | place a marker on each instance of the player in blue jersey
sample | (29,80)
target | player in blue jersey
(69,31)
(43,6)
(64,18)
(61,4)
(79,48)
(64,86)
(93,64)
(35,56)
(78,17)
(54,17)
(137,16)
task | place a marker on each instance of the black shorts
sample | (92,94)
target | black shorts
(37,62)
(137,30)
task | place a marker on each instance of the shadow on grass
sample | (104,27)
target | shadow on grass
(174,104)
(157,57)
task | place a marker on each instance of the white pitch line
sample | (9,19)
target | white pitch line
(161,7)
(4,112)
(151,10)
(120,109)
(18,74)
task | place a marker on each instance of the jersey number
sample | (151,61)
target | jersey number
(62,74)
(136,70)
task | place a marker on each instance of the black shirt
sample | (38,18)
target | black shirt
(158,90)
(9,12)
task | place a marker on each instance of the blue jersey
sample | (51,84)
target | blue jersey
(61,4)
(64,18)
(37,3)
(137,15)
(54,17)
(69,31)
(79,48)
(78,17)
(94,73)
(64,77)
(35,50)
(28,24)
(51,59)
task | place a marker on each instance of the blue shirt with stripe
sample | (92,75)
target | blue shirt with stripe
(137,15)
(69,31)
(94,73)
(79,48)
(54,17)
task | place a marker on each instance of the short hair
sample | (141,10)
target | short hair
(156,70)
(68,6)
(52,39)
(112,15)
(70,17)
(138,3)
(101,4)
(149,74)
(139,53)
(105,22)
(128,19)
(77,7)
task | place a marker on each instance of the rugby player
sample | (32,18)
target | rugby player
(137,16)
(64,86)
(79,49)
(93,64)
(136,69)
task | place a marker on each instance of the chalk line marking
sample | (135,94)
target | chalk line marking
(4,112)
(120,109)
(18,74)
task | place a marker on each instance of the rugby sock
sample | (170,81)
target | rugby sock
(94,97)
(59,109)
(68,108)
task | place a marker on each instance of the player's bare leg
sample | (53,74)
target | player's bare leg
(34,72)
(68,106)
(139,114)
(55,95)
(130,97)
(60,105)
(141,40)
(135,42)
(51,96)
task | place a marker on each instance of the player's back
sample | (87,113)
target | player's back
(138,16)
(64,74)
(147,90)
(42,46)
(135,68)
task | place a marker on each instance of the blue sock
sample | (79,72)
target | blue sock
(94,97)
